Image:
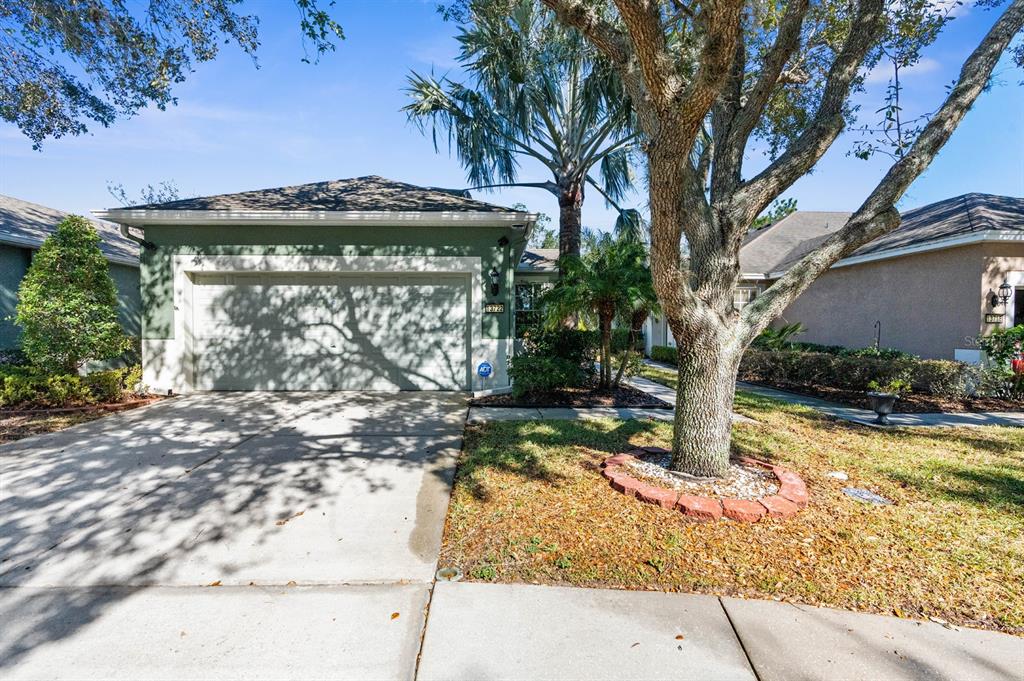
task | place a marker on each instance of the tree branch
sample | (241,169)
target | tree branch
(604,35)
(811,145)
(643,21)
(876,216)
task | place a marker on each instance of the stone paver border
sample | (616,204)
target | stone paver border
(792,495)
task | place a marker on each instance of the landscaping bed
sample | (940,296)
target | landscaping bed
(908,403)
(530,504)
(585,396)
(16,424)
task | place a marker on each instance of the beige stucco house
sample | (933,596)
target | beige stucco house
(929,288)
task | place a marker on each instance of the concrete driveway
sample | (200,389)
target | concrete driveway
(255,535)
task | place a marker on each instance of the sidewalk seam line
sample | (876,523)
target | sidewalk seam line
(739,639)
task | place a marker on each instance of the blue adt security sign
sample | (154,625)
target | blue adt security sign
(485,369)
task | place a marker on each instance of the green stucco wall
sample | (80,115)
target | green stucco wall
(413,240)
(14,263)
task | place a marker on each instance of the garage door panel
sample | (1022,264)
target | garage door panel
(296,331)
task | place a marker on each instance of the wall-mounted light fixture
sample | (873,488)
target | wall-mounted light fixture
(495,277)
(1001,298)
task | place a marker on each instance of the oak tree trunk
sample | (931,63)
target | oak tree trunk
(704,401)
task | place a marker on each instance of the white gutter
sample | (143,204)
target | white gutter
(141,217)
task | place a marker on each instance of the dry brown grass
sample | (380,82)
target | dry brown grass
(529,505)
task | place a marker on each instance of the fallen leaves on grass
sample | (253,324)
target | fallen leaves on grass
(529,505)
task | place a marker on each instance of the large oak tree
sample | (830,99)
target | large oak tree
(782,72)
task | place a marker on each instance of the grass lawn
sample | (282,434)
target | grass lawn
(661,375)
(530,505)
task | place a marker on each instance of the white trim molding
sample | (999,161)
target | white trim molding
(137,217)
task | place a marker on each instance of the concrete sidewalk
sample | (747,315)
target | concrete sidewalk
(518,631)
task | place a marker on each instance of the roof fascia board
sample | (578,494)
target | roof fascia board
(143,217)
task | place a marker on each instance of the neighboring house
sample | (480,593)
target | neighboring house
(354,284)
(23,228)
(926,288)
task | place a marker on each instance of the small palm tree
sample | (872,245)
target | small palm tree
(536,90)
(609,280)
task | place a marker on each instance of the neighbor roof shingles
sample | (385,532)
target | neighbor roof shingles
(792,237)
(370,193)
(538,260)
(776,248)
(27,224)
(958,216)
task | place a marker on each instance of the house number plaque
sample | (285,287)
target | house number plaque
(494,307)
(993,318)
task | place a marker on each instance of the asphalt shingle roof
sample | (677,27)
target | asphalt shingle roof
(776,248)
(23,223)
(370,193)
(539,260)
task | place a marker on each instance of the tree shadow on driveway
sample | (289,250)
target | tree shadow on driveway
(225,489)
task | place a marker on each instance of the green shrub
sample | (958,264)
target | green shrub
(818,368)
(665,354)
(27,385)
(779,338)
(620,338)
(538,374)
(106,386)
(1002,345)
(945,378)
(67,302)
(574,345)
(1000,381)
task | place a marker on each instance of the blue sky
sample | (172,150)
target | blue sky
(237,127)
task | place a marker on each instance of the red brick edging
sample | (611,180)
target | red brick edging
(791,498)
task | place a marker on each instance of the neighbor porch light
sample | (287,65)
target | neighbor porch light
(1001,298)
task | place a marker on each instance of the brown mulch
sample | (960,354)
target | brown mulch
(587,396)
(16,424)
(910,403)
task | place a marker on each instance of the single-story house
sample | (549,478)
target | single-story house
(23,228)
(355,284)
(930,287)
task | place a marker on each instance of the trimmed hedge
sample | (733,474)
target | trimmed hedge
(664,353)
(28,386)
(853,372)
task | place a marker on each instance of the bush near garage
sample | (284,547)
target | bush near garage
(28,386)
(553,359)
(664,353)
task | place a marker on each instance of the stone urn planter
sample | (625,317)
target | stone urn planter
(882,404)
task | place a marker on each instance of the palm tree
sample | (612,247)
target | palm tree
(611,280)
(535,89)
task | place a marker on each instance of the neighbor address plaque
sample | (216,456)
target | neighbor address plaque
(494,307)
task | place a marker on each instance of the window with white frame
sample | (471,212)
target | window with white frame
(743,296)
(527,306)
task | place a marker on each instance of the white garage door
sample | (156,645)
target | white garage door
(358,331)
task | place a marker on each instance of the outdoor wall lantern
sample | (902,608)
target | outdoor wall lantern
(495,277)
(1003,297)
